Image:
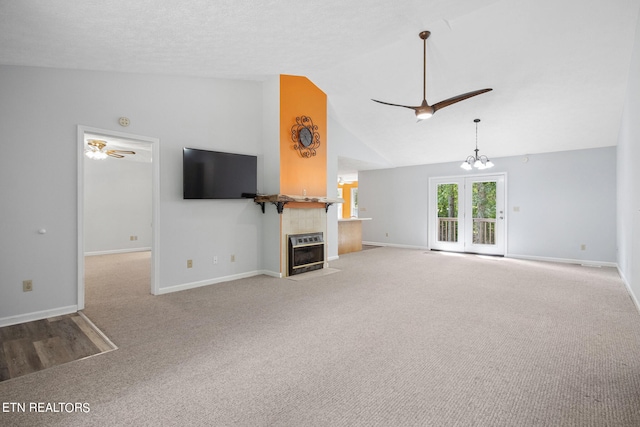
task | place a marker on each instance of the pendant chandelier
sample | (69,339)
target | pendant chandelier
(475,161)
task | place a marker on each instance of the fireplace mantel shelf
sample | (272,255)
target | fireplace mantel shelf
(282,199)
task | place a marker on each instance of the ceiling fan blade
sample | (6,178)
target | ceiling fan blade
(424,111)
(458,98)
(111,153)
(394,105)
(120,152)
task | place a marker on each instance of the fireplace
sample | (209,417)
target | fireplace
(306,252)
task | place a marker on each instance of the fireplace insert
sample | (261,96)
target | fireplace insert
(306,252)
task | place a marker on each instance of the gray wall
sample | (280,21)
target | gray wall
(565,199)
(117,205)
(629,179)
(39,114)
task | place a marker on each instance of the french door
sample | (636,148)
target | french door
(468,214)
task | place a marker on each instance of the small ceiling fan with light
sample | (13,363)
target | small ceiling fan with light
(424,110)
(96,150)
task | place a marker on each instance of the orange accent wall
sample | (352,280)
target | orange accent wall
(346,196)
(300,97)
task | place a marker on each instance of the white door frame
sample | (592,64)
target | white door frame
(353,207)
(433,215)
(155,204)
(500,227)
(465,222)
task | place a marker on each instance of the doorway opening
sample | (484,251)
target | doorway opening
(467,214)
(99,238)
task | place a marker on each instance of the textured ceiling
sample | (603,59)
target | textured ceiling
(558,68)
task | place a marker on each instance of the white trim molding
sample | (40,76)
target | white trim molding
(586,263)
(37,315)
(393,245)
(629,290)
(201,283)
(155,202)
(117,251)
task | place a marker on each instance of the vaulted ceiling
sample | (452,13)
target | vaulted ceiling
(558,68)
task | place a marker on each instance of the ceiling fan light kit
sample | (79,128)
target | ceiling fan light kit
(424,110)
(96,150)
(94,154)
(475,161)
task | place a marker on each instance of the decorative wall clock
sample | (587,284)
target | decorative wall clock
(305,136)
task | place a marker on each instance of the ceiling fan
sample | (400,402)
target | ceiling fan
(96,150)
(424,110)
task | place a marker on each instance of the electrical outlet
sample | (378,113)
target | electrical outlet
(131,238)
(583,247)
(233,258)
(189,263)
(27,286)
(215,259)
(386,234)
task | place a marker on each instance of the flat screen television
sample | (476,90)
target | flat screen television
(218,175)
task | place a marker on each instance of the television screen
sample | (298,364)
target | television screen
(217,175)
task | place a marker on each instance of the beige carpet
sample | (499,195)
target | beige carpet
(395,338)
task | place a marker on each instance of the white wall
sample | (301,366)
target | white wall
(117,200)
(342,143)
(39,114)
(270,253)
(565,199)
(347,145)
(332,176)
(628,232)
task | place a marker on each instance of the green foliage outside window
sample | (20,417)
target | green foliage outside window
(484,199)
(447,200)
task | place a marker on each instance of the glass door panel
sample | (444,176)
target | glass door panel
(447,213)
(446,228)
(468,214)
(483,196)
(485,214)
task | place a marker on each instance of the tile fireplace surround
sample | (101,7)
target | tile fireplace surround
(295,219)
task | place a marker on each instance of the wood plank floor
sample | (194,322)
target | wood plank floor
(33,346)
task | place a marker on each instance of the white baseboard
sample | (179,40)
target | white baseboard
(393,245)
(629,290)
(333,258)
(117,251)
(37,315)
(193,285)
(275,274)
(586,263)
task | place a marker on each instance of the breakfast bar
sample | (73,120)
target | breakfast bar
(350,234)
